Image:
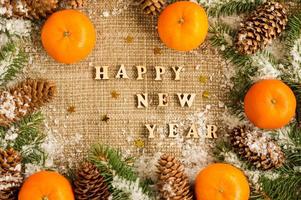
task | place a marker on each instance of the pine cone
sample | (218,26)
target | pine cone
(173,183)
(89,184)
(10,174)
(73,3)
(152,7)
(25,98)
(31,9)
(257,148)
(261,28)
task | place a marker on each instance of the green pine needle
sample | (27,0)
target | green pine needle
(222,37)
(228,8)
(120,195)
(296,87)
(293,30)
(234,7)
(111,163)
(17,61)
(286,187)
(29,139)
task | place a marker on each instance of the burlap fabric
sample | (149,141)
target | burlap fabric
(92,99)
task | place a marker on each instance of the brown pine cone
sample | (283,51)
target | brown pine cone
(173,183)
(31,9)
(73,3)
(261,27)
(10,174)
(257,148)
(24,99)
(152,7)
(89,184)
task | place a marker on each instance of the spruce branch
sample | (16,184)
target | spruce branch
(293,30)
(261,64)
(12,61)
(117,172)
(295,136)
(29,138)
(286,186)
(233,7)
(296,87)
(222,37)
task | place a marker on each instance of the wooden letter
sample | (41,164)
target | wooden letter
(101,73)
(173,130)
(162,99)
(141,70)
(186,99)
(151,130)
(142,100)
(122,72)
(193,132)
(159,72)
(177,71)
(211,131)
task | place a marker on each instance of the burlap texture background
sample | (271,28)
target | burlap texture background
(92,99)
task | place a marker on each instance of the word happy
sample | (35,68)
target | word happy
(101,73)
(185,99)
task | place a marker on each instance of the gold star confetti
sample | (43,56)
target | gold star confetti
(206,94)
(139,143)
(203,79)
(71,109)
(115,94)
(105,118)
(157,51)
(129,39)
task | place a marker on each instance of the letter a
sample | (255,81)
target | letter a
(193,132)
(122,72)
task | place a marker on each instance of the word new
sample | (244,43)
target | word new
(102,72)
(184,99)
(192,132)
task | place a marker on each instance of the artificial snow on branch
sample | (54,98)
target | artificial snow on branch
(247,70)
(122,180)
(12,61)
(26,137)
(12,57)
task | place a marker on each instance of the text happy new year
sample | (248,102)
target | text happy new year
(185,99)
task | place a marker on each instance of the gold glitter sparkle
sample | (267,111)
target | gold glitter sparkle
(129,39)
(115,94)
(71,109)
(139,143)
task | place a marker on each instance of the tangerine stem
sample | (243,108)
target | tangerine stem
(66,34)
(181,20)
(273,101)
(44,198)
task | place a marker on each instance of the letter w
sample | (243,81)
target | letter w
(186,99)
